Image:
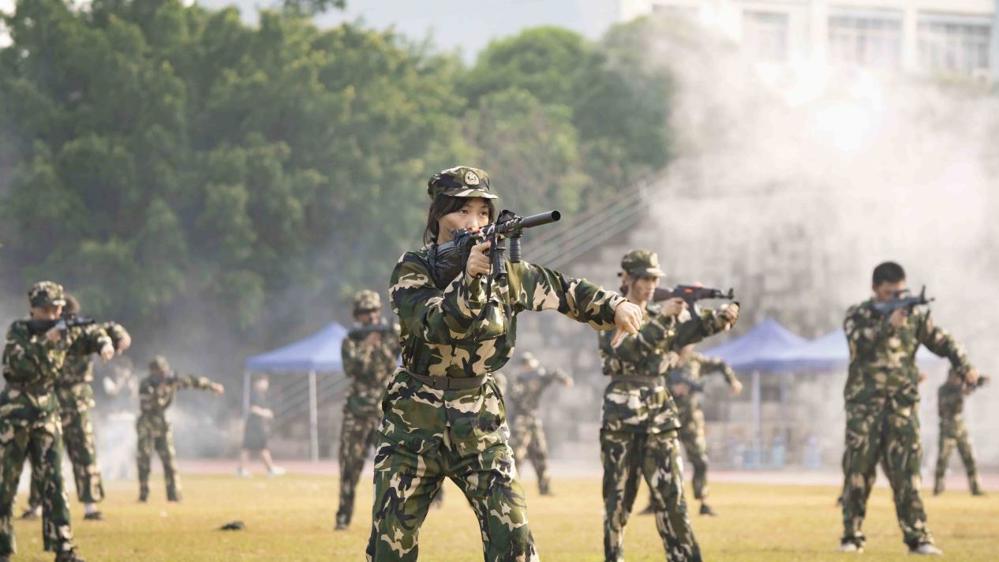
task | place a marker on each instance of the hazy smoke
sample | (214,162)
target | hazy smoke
(792,183)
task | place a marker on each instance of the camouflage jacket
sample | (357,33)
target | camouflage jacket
(454,332)
(369,369)
(950,401)
(157,393)
(883,358)
(694,369)
(525,393)
(32,365)
(79,368)
(643,406)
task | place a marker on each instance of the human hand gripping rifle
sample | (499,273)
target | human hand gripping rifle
(904,300)
(448,260)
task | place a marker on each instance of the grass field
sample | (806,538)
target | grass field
(291,518)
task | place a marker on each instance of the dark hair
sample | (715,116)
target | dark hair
(72,305)
(888,272)
(445,205)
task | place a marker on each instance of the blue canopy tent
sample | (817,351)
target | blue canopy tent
(318,353)
(826,354)
(757,351)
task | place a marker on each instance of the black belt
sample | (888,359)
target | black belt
(449,383)
(640,379)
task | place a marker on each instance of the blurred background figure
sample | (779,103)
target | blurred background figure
(527,435)
(257,430)
(953,432)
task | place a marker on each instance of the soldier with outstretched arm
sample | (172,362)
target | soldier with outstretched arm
(954,432)
(527,433)
(443,413)
(156,394)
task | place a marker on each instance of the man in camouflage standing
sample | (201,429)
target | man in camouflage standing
(527,435)
(369,354)
(685,381)
(33,360)
(639,424)
(882,405)
(76,399)
(953,432)
(156,394)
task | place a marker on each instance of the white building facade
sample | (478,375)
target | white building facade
(933,37)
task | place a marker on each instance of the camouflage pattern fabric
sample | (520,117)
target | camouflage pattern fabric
(76,400)
(428,434)
(527,433)
(30,428)
(953,434)
(655,456)
(639,424)
(154,432)
(691,434)
(369,368)
(882,396)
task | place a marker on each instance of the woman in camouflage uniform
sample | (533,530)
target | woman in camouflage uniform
(443,414)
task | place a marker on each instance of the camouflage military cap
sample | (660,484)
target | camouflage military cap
(460,181)
(366,301)
(159,363)
(46,293)
(530,360)
(641,263)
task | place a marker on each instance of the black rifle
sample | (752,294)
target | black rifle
(447,260)
(904,300)
(361,332)
(691,294)
(677,377)
(63,324)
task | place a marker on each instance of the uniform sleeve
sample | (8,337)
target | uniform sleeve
(864,331)
(116,332)
(537,288)
(193,381)
(713,364)
(88,339)
(941,343)
(436,316)
(19,352)
(350,354)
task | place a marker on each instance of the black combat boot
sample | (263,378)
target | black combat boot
(342,522)
(706,510)
(938,486)
(144,494)
(975,486)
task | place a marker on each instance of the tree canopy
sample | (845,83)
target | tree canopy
(158,158)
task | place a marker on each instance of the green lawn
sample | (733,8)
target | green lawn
(291,518)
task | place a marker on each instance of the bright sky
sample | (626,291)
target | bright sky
(460,24)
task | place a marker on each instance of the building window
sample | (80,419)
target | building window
(869,39)
(765,35)
(959,45)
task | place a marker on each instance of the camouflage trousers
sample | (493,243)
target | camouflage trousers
(527,438)
(954,434)
(656,457)
(155,433)
(886,434)
(427,435)
(40,441)
(695,444)
(80,445)
(357,436)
